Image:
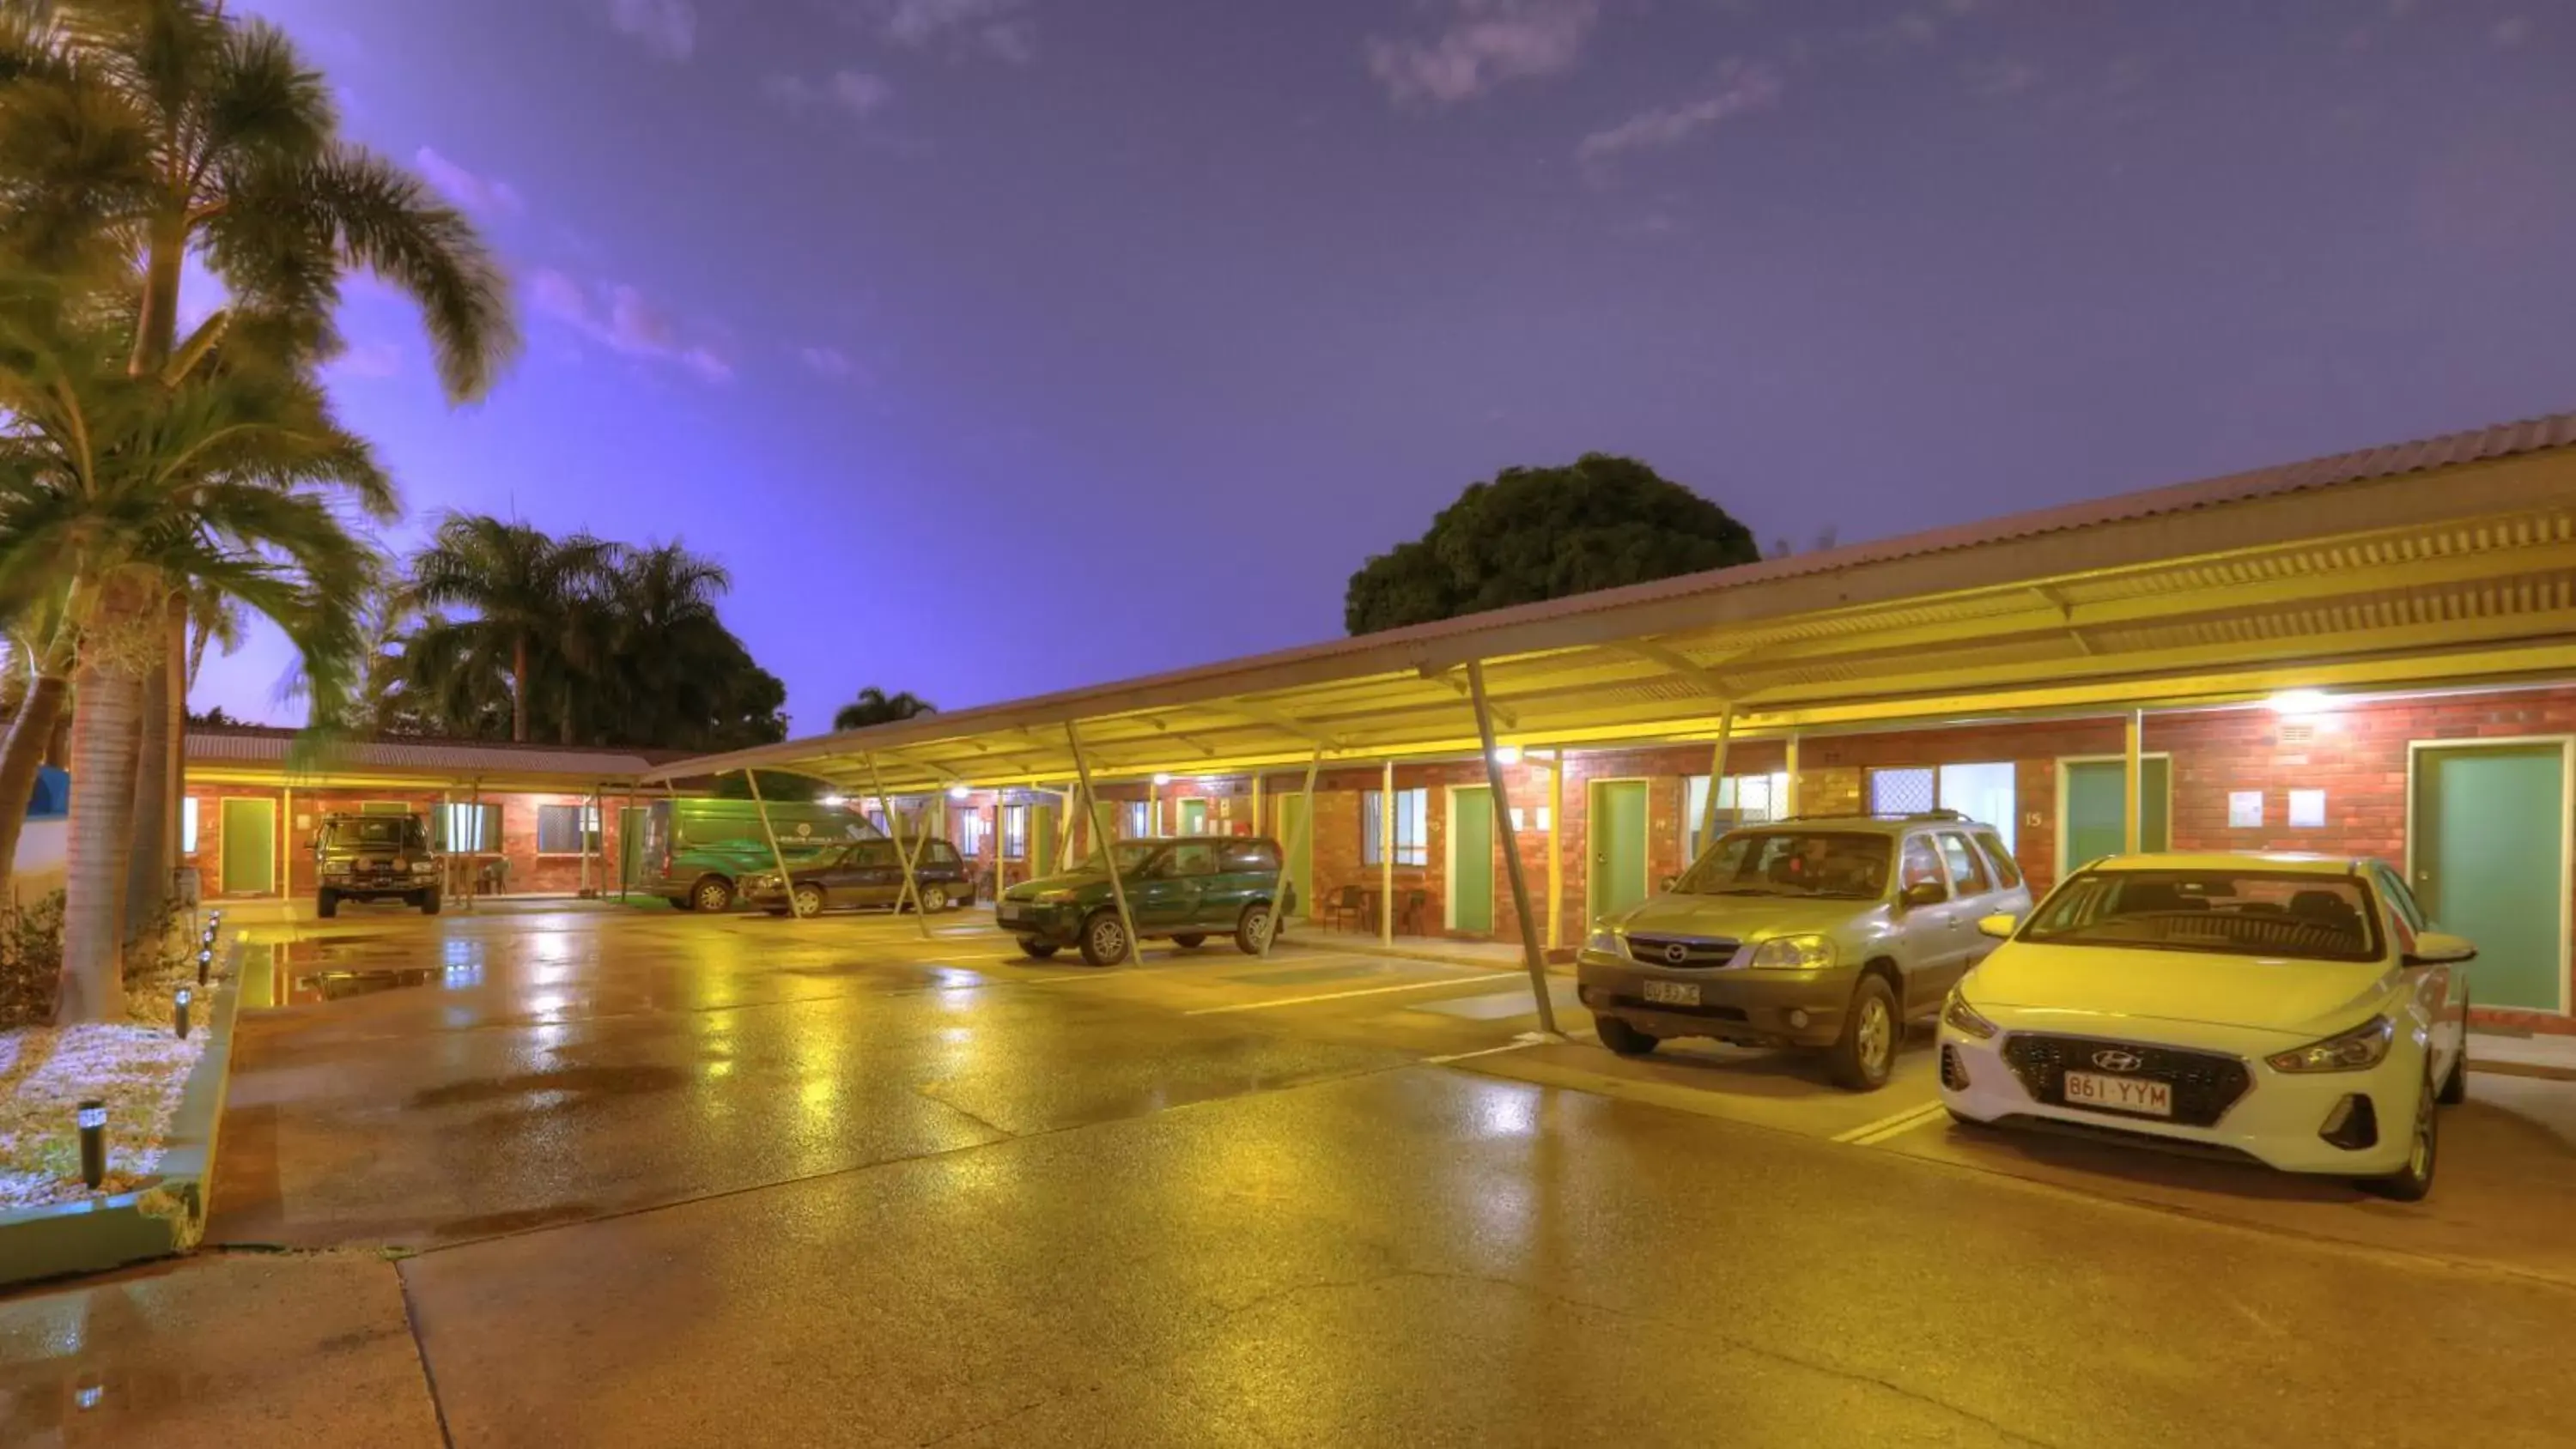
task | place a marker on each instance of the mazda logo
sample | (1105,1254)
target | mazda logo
(1677,953)
(2116,1060)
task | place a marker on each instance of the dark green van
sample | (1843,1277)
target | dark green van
(1184,890)
(696,850)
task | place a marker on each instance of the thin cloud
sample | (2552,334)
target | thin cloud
(487,195)
(1486,43)
(855,92)
(829,362)
(668,28)
(1742,89)
(370,360)
(1995,79)
(2511,31)
(998,28)
(618,317)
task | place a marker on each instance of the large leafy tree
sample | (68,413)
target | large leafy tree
(1532,534)
(139,135)
(520,584)
(875,707)
(122,496)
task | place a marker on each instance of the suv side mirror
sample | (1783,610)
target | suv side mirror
(2440,948)
(1923,893)
(1999,925)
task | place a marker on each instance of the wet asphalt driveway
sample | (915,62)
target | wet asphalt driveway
(598,1178)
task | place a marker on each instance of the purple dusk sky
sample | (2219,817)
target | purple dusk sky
(1004,345)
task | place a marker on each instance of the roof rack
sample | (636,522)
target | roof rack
(1948,815)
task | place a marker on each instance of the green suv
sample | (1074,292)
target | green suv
(363,857)
(1183,890)
(1829,933)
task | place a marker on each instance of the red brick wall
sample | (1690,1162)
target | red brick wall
(529,871)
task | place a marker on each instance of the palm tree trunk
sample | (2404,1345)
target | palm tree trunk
(175,709)
(106,727)
(58,740)
(20,755)
(519,690)
(146,880)
(158,329)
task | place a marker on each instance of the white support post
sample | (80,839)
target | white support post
(894,827)
(1789,763)
(1386,855)
(1716,778)
(2133,783)
(474,853)
(1535,958)
(1287,853)
(1556,851)
(1108,848)
(786,882)
(1078,811)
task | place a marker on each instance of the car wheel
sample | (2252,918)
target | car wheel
(1104,939)
(1190,942)
(1624,1039)
(1251,931)
(429,903)
(326,904)
(934,899)
(2455,1087)
(2411,1182)
(1866,1056)
(1037,950)
(809,900)
(715,893)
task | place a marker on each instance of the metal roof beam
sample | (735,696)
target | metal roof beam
(1279,720)
(1454,676)
(1709,681)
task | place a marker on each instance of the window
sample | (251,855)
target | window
(188,825)
(1842,864)
(2007,869)
(939,854)
(1240,855)
(2264,915)
(1196,857)
(1140,819)
(1412,827)
(1967,872)
(1922,866)
(470,828)
(1741,800)
(974,832)
(1982,792)
(383,807)
(872,855)
(1015,832)
(2408,908)
(566,829)
(1521,820)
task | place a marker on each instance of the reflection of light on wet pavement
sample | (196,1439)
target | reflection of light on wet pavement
(1507,1113)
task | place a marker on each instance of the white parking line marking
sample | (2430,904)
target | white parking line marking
(1334,996)
(1892,1123)
(1486,1052)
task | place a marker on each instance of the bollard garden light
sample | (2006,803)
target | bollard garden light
(93,1133)
(183,999)
(205,963)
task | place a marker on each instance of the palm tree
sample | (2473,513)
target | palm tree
(142,133)
(520,584)
(221,473)
(875,707)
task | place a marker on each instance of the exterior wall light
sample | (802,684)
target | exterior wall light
(1507,754)
(2301,701)
(959,792)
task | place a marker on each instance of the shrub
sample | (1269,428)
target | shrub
(31,961)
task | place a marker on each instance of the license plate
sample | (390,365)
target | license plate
(2124,1094)
(1673,993)
(1008,913)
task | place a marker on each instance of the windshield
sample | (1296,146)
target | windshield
(1845,865)
(2301,916)
(1132,855)
(389,832)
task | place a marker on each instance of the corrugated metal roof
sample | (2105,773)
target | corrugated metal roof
(461,759)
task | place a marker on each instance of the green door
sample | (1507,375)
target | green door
(250,847)
(1471,860)
(2096,817)
(1299,842)
(2491,865)
(630,845)
(1046,853)
(1618,878)
(1194,817)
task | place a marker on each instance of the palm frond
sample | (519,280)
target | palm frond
(387,221)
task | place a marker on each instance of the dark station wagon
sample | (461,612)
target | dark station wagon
(1183,890)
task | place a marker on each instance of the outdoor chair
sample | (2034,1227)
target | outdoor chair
(1345,901)
(1416,904)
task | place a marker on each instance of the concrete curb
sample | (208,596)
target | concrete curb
(166,1217)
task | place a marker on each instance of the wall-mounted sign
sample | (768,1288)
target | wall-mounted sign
(2244,809)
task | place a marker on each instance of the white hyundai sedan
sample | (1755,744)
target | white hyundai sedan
(2295,1010)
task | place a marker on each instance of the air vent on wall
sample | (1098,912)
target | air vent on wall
(2297,732)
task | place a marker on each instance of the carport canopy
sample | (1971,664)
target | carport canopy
(2445,562)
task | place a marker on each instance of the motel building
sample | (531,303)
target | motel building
(2372,654)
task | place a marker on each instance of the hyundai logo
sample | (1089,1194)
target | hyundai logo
(2116,1060)
(1677,953)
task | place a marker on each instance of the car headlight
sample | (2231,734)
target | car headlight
(2363,1047)
(1605,941)
(1793,953)
(1956,1012)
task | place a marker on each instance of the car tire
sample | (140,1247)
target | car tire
(326,904)
(2423,1153)
(1865,1057)
(808,899)
(1189,942)
(2455,1087)
(1104,939)
(714,893)
(1037,950)
(430,901)
(1626,1040)
(681,903)
(1256,922)
(934,899)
